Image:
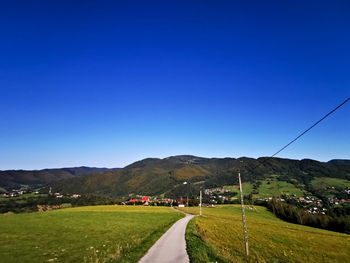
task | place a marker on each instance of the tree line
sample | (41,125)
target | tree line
(30,204)
(337,219)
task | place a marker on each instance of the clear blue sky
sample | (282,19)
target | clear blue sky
(106,83)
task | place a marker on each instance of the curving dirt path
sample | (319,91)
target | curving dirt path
(171,247)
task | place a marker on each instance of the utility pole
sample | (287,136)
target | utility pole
(187,193)
(200,202)
(245,233)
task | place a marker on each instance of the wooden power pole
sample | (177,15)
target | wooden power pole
(200,202)
(245,233)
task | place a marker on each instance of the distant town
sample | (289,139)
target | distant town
(211,197)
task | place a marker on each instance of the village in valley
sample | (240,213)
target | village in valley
(211,197)
(222,195)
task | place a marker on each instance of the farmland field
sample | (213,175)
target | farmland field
(217,236)
(269,187)
(272,187)
(83,234)
(247,188)
(321,183)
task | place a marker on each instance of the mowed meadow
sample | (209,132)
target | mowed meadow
(217,236)
(83,234)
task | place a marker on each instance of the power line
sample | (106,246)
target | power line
(245,233)
(312,126)
(308,129)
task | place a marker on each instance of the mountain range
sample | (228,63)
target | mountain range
(15,179)
(178,175)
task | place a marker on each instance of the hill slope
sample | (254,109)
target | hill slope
(14,179)
(270,239)
(166,176)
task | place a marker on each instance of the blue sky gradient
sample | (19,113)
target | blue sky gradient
(108,83)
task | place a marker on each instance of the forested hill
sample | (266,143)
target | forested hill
(340,162)
(166,176)
(15,179)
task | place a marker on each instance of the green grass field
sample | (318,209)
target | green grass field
(217,236)
(269,187)
(84,234)
(273,188)
(321,183)
(247,188)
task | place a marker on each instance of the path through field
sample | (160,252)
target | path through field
(171,247)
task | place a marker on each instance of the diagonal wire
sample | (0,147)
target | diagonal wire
(312,126)
(307,130)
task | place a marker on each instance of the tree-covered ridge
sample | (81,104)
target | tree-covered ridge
(15,179)
(166,176)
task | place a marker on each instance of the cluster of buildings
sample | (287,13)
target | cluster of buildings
(316,210)
(309,200)
(316,206)
(319,203)
(312,205)
(216,190)
(219,195)
(147,200)
(59,195)
(15,193)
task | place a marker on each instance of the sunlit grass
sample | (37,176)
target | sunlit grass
(247,188)
(83,234)
(274,188)
(270,239)
(321,183)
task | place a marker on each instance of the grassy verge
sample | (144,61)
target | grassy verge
(270,239)
(197,249)
(83,234)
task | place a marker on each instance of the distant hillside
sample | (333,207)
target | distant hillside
(166,176)
(340,162)
(14,179)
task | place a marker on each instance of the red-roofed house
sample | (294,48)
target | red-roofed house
(145,199)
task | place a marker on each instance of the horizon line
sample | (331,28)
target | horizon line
(189,155)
